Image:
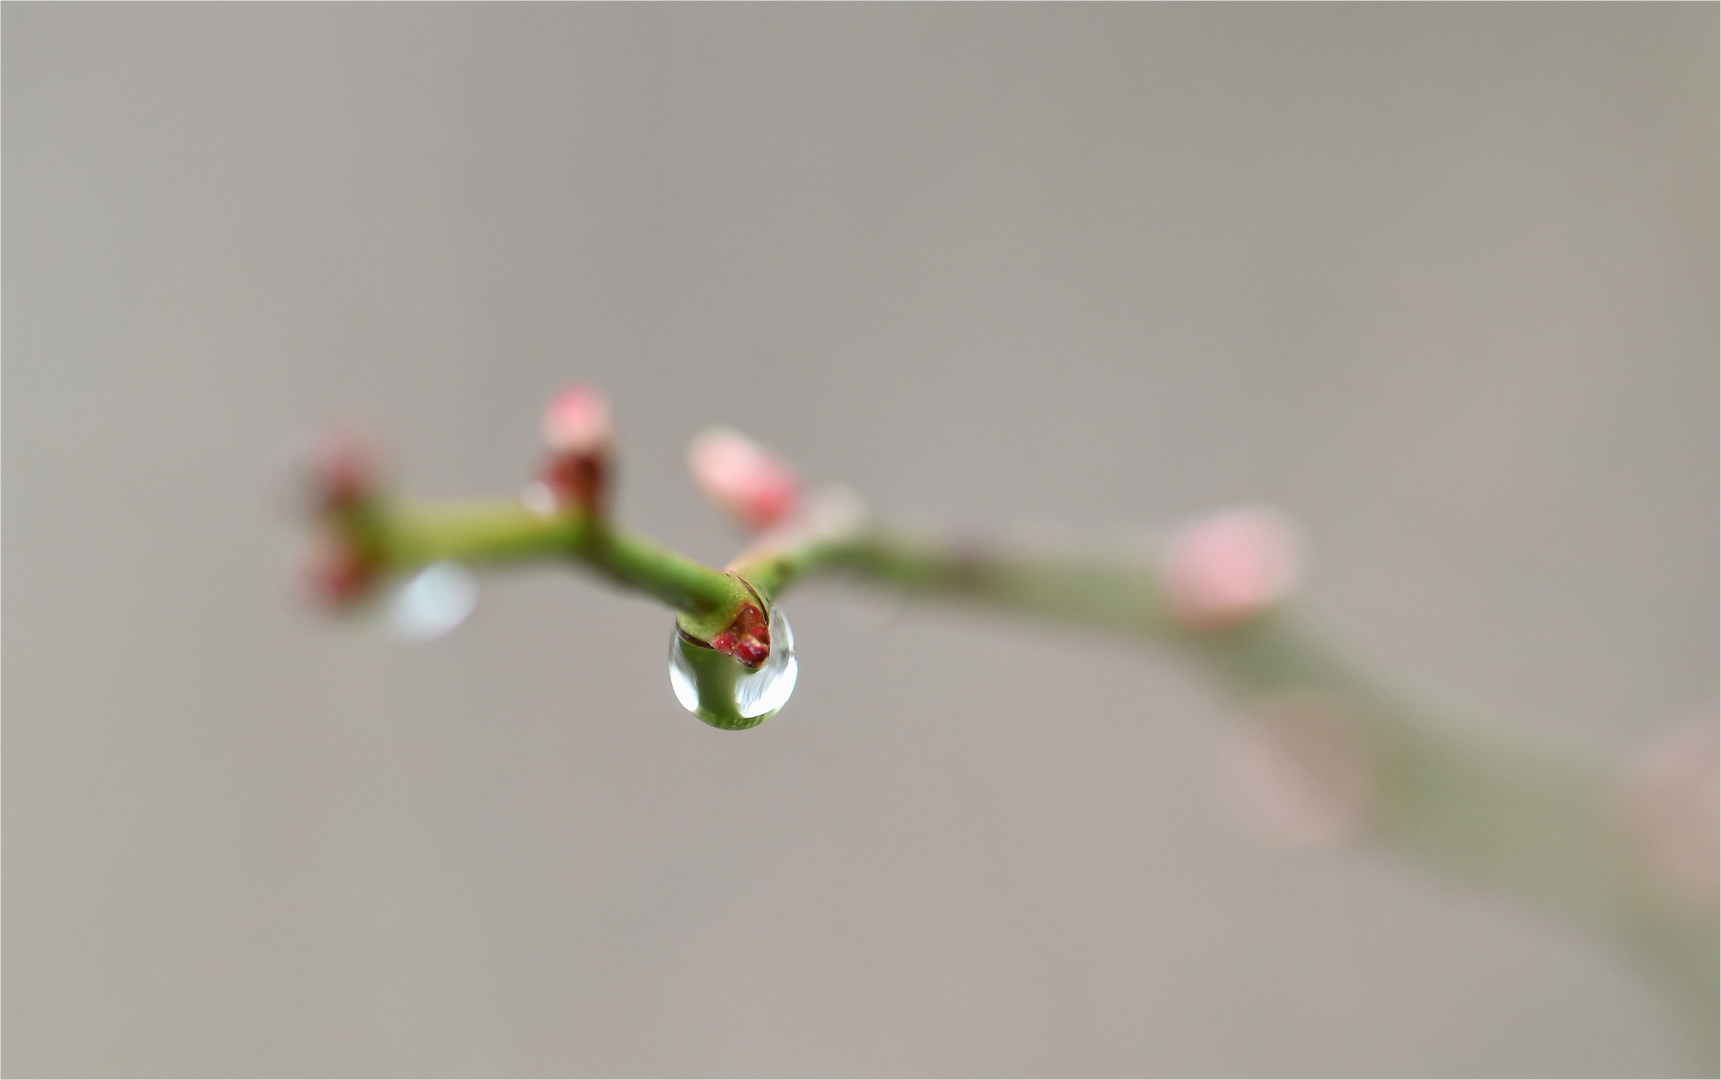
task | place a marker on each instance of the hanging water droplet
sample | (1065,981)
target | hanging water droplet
(721,692)
(432,602)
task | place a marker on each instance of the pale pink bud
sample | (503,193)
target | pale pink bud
(577,421)
(1230,567)
(754,485)
(1672,806)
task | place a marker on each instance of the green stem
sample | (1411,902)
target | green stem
(404,536)
(1447,793)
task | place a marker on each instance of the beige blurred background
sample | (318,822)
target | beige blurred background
(1442,281)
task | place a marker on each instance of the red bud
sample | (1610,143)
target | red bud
(337,571)
(747,639)
(346,467)
(580,432)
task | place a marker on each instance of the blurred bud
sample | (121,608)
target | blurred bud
(828,511)
(345,468)
(581,435)
(1229,568)
(578,421)
(1672,809)
(336,571)
(1298,776)
(751,483)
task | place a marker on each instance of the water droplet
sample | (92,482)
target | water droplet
(718,690)
(432,602)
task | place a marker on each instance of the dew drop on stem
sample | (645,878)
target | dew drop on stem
(720,691)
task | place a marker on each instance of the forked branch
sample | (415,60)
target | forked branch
(1630,853)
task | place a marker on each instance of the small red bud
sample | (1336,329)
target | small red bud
(747,639)
(1230,567)
(346,467)
(580,433)
(337,571)
(578,480)
(751,483)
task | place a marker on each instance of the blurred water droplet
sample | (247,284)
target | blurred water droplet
(432,602)
(718,690)
(540,500)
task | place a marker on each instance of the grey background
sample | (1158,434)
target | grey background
(1440,280)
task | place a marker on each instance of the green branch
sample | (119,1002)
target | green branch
(1435,788)
(403,536)
(1445,792)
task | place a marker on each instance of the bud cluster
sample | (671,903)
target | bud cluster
(747,639)
(343,478)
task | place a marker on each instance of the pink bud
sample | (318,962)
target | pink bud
(578,427)
(336,571)
(1230,567)
(754,485)
(577,421)
(346,467)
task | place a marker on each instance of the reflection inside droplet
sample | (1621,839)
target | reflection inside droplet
(718,690)
(432,602)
